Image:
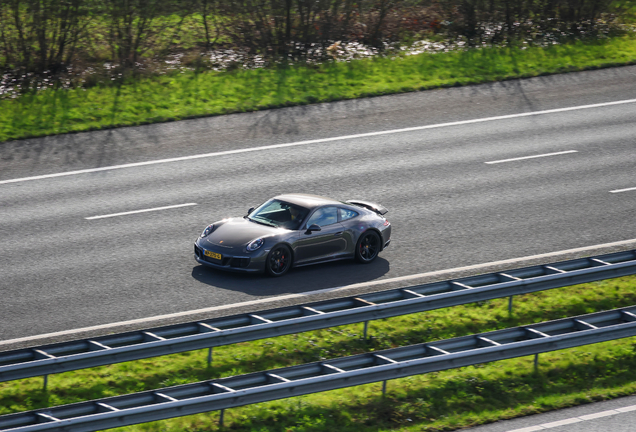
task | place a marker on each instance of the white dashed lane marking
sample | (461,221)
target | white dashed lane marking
(623,190)
(140,211)
(532,157)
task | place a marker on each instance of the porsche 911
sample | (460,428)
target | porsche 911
(295,230)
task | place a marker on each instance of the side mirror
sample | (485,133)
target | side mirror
(312,228)
(250,210)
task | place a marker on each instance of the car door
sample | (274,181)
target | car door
(352,228)
(321,245)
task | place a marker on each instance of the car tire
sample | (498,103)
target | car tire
(279,261)
(368,247)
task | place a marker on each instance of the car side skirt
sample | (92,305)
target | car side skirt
(324,260)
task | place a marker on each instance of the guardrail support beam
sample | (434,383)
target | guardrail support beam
(209,357)
(366,327)
(510,304)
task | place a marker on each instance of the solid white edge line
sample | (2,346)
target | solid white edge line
(623,190)
(532,157)
(321,140)
(599,415)
(561,422)
(140,211)
(573,420)
(322,291)
(626,409)
(529,429)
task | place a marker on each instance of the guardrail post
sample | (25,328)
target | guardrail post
(209,356)
(510,304)
(366,327)
(384,388)
(221,418)
(46,381)
(536,362)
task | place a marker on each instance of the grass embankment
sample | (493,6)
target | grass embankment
(190,94)
(432,402)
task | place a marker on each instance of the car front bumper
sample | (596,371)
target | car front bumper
(235,263)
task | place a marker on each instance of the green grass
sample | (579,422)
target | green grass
(190,94)
(432,402)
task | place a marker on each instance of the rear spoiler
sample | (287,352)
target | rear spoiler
(369,205)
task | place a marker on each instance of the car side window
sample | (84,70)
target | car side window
(324,216)
(347,214)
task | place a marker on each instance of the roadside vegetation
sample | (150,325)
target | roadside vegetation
(438,401)
(191,94)
(78,65)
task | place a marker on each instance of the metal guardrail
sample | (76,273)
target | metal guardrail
(333,374)
(123,347)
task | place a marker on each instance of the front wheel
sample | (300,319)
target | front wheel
(368,247)
(279,261)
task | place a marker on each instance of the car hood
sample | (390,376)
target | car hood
(237,233)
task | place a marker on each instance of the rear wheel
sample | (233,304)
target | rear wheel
(279,261)
(368,247)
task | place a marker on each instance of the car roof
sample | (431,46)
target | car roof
(307,200)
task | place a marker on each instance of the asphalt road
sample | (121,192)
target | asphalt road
(449,208)
(616,415)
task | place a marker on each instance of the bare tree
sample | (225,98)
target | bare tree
(41,35)
(135,28)
(210,16)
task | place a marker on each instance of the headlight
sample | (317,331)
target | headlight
(206,232)
(255,244)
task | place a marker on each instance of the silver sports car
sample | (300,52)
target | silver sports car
(295,230)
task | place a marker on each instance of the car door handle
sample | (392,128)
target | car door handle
(338,233)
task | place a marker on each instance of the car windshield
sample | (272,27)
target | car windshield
(279,214)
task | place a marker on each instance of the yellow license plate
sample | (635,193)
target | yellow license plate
(213,255)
